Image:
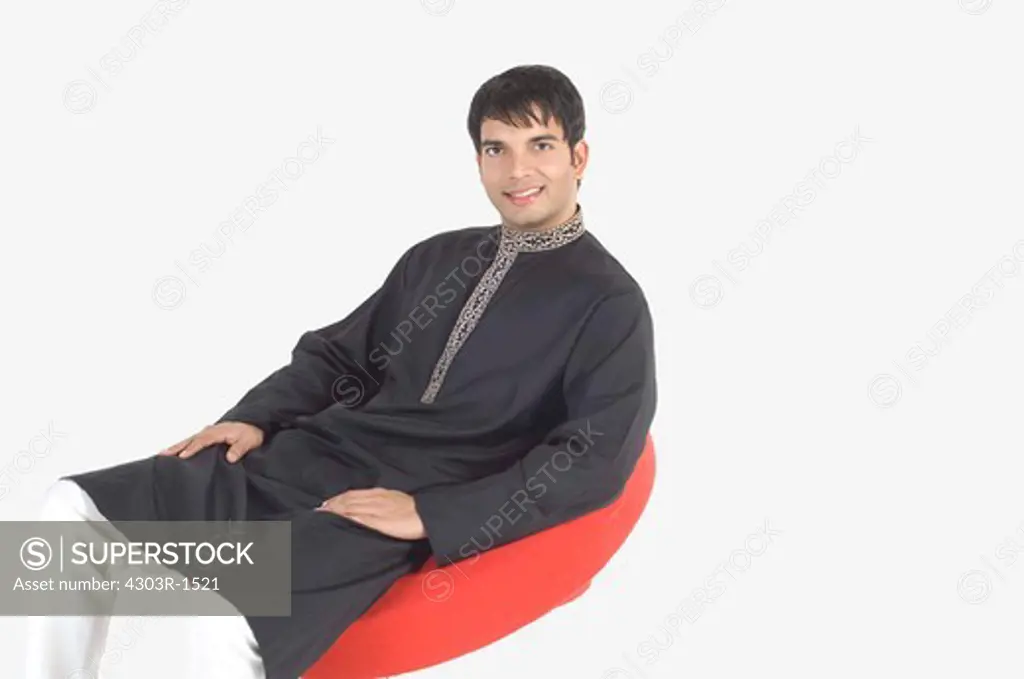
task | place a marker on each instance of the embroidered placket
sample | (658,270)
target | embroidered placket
(512,242)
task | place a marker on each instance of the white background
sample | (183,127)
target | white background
(898,499)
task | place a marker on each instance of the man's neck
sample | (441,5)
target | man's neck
(550,226)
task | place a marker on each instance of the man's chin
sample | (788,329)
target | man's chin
(525,218)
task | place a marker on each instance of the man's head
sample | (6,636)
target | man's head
(527,126)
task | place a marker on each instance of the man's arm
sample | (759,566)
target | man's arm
(581,465)
(312,381)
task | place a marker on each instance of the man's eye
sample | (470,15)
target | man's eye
(488,150)
(545,143)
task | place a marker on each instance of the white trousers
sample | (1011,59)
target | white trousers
(71,646)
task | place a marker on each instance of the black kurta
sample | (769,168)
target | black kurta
(503,378)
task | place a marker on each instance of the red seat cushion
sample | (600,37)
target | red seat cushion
(438,614)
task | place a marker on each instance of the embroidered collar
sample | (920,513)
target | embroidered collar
(525,240)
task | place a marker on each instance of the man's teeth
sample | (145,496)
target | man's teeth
(526,193)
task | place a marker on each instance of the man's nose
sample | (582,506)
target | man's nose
(519,166)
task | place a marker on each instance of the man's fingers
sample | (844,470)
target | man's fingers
(339,505)
(365,511)
(364,492)
(176,448)
(370,520)
(360,504)
(362,497)
(197,444)
(380,523)
(236,451)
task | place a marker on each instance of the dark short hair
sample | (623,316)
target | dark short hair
(510,97)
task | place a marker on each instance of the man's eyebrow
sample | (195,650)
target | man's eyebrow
(539,137)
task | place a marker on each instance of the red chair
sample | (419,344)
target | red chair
(438,614)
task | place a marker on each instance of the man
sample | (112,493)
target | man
(401,430)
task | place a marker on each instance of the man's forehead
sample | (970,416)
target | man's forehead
(494,129)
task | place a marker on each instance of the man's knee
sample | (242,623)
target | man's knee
(64,500)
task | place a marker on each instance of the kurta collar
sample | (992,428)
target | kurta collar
(524,240)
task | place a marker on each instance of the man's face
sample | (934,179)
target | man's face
(514,159)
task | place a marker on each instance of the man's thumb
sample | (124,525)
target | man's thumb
(236,451)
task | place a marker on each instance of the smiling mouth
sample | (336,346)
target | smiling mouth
(524,197)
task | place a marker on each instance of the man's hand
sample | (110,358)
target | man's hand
(240,436)
(391,512)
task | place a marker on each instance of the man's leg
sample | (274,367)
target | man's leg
(70,647)
(222,646)
(66,646)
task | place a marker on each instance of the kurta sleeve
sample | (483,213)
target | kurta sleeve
(582,464)
(312,380)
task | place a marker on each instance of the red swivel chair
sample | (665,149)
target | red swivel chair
(438,614)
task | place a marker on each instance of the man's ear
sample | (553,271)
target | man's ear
(580,156)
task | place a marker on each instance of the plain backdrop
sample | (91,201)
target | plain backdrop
(818,385)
